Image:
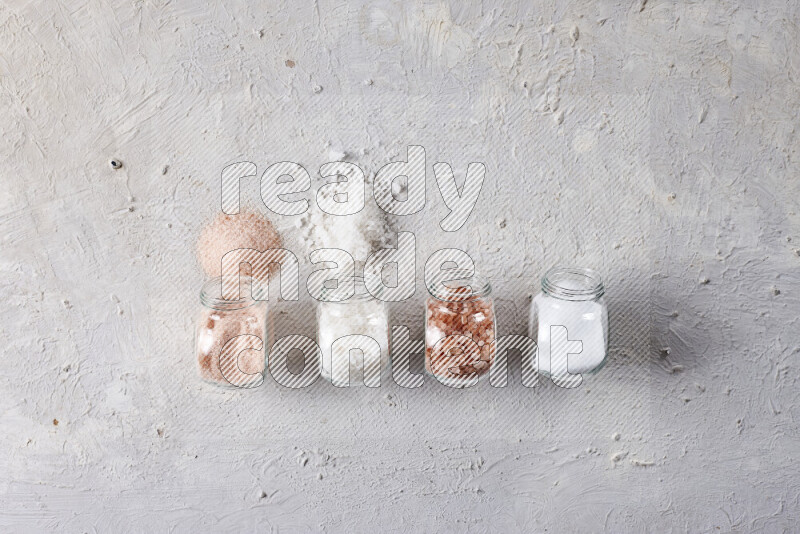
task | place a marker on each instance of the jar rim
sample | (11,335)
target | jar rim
(479,285)
(361,292)
(211,295)
(573,283)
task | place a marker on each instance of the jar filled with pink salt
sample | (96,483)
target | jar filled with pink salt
(230,337)
(460,328)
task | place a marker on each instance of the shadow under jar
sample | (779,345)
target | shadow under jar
(460,329)
(222,320)
(569,309)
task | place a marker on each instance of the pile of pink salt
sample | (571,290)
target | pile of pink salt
(246,229)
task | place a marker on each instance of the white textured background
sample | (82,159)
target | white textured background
(654,141)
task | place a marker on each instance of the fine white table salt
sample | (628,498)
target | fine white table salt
(585,320)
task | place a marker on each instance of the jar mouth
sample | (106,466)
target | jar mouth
(339,294)
(211,295)
(449,285)
(573,283)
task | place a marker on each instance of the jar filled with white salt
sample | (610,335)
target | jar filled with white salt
(569,321)
(353,335)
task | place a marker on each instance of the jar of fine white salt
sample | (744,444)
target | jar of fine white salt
(569,322)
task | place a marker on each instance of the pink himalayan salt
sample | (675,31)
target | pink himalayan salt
(473,319)
(230,232)
(216,328)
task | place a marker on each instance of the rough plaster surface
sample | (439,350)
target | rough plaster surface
(653,141)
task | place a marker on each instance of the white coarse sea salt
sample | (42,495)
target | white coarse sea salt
(359,234)
(356,317)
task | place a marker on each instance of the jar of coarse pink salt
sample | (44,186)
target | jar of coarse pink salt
(231,337)
(460,329)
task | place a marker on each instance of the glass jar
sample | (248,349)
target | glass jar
(572,298)
(463,309)
(359,315)
(222,320)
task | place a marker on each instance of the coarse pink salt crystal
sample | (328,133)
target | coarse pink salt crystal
(216,328)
